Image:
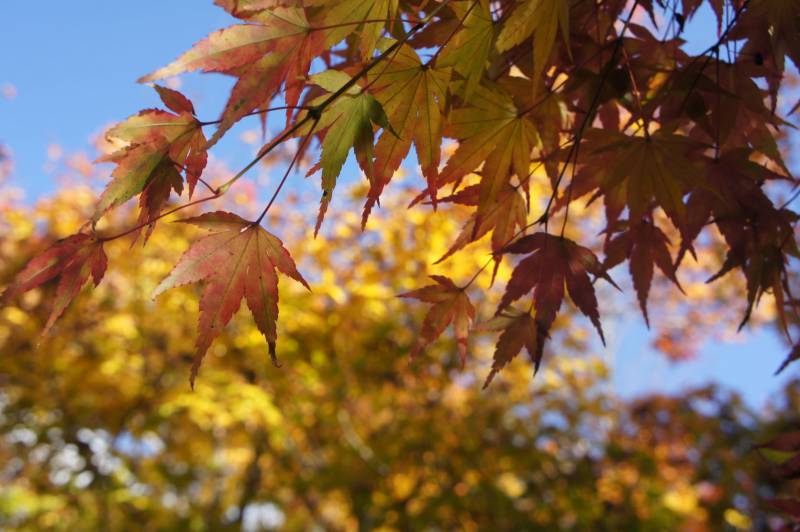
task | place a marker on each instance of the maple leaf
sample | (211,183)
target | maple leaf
(157,144)
(347,122)
(645,245)
(136,164)
(246,9)
(493,132)
(729,110)
(542,18)
(520,329)
(760,245)
(772,30)
(634,171)
(237,260)
(164,179)
(548,113)
(174,100)
(182,131)
(233,47)
(70,260)
(277,48)
(450,305)
(413,95)
(730,192)
(793,355)
(508,215)
(469,49)
(759,235)
(553,263)
(364,19)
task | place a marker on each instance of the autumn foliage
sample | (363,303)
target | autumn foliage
(602,99)
(567,151)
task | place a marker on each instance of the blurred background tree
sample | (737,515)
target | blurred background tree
(100,431)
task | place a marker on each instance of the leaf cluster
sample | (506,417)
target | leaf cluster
(600,101)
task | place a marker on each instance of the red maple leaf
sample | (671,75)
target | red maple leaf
(237,260)
(71,260)
(450,305)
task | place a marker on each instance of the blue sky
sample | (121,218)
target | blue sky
(77,66)
(74,66)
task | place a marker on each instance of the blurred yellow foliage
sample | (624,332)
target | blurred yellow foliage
(100,431)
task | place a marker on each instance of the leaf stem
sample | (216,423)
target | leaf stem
(474,277)
(161,215)
(637,98)
(209,187)
(358,22)
(286,173)
(259,112)
(707,58)
(589,114)
(452,34)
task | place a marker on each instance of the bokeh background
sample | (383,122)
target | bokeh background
(98,427)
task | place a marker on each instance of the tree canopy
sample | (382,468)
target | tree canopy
(611,107)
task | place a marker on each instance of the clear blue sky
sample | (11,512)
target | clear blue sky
(74,66)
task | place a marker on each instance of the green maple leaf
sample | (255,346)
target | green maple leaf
(348,122)
(469,49)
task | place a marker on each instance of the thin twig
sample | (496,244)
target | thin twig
(162,215)
(707,58)
(260,112)
(589,115)
(286,174)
